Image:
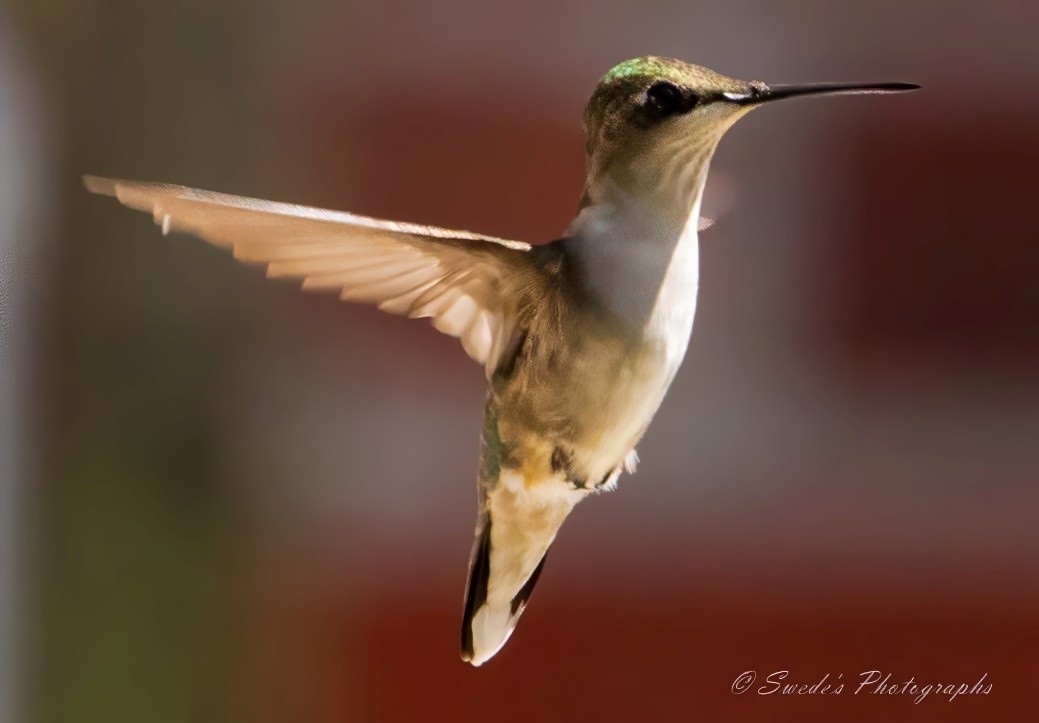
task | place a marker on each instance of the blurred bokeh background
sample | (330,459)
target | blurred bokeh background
(223,499)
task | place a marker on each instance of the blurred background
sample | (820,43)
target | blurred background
(223,499)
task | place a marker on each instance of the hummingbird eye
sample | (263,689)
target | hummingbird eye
(664,99)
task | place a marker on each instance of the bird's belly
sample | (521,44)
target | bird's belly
(615,418)
(599,402)
(645,377)
(664,338)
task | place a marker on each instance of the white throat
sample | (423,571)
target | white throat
(638,255)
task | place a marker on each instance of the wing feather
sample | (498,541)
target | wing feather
(467,283)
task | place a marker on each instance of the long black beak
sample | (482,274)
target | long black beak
(768,93)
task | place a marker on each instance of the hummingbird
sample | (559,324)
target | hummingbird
(579,338)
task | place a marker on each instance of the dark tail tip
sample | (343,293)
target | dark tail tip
(476,589)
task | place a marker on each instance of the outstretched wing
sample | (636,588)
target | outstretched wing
(463,281)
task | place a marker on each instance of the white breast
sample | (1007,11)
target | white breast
(671,319)
(652,285)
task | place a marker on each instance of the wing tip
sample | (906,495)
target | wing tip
(100,185)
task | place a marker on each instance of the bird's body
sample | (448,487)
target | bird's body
(580,338)
(566,409)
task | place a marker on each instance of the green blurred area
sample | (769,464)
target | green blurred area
(133,615)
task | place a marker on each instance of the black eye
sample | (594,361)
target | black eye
(664,99)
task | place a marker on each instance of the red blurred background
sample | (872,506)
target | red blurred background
(231,500)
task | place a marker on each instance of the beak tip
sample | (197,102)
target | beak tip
(777,92)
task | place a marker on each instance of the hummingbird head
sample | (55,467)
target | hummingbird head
(653,124)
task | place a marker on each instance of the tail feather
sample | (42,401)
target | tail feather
(487,626)
(509,553)
(476,588)
(520,601)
